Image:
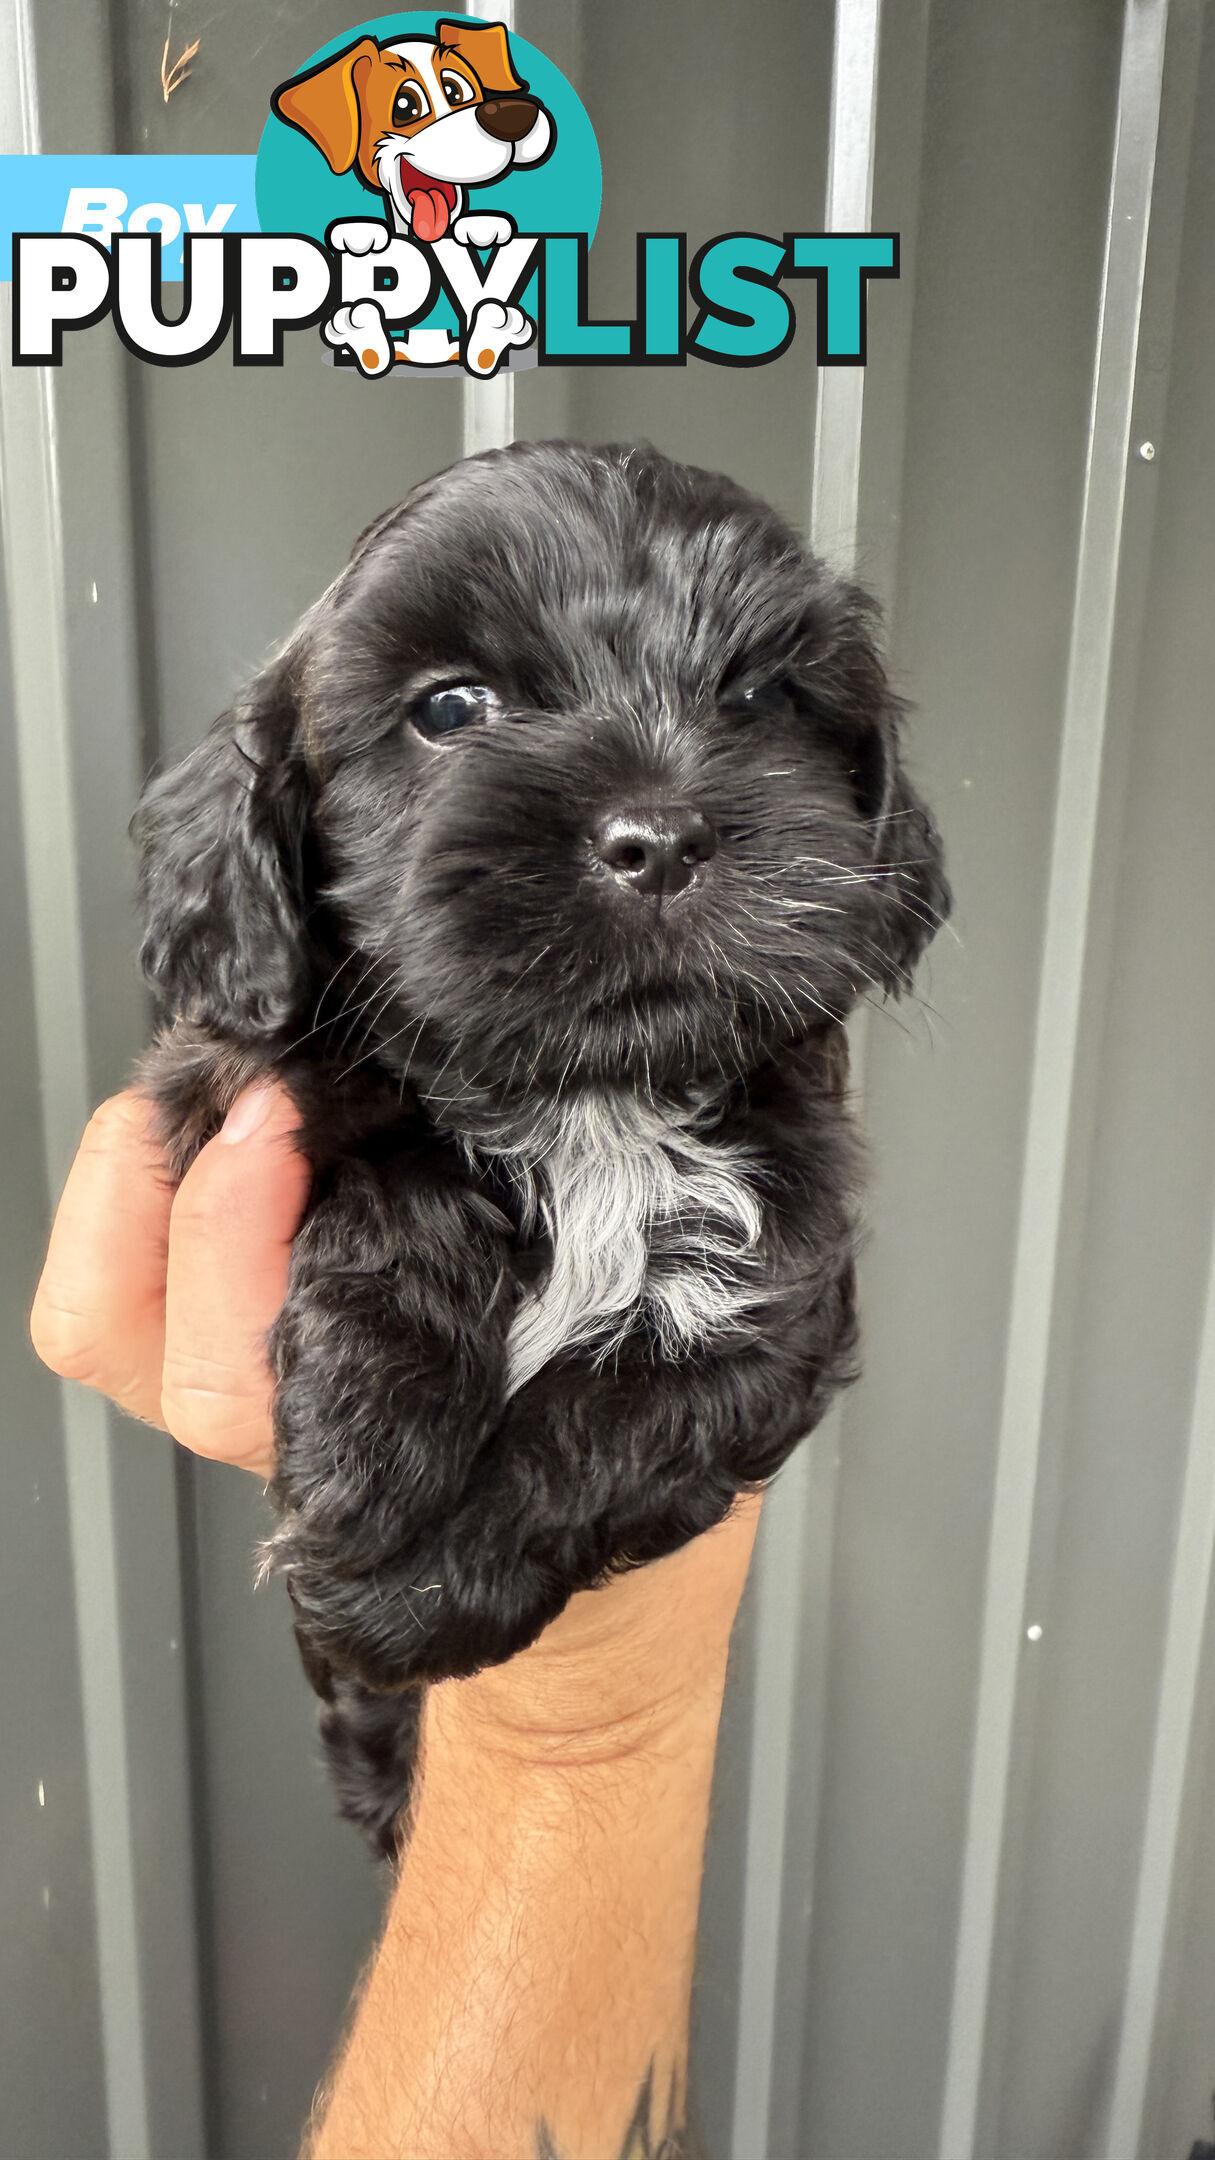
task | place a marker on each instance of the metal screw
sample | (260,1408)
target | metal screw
(1034,1633)
(1147,451)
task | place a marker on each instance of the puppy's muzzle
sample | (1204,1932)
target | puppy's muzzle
(507,119)
(656,851)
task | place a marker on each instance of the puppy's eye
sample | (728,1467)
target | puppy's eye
(456,90)
(444,712)
(408,105)
(765,701)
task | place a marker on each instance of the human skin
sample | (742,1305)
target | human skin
(530,1994)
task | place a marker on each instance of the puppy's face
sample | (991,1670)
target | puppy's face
(606,779)
(582,771)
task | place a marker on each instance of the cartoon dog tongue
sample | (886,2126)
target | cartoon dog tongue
(431,202)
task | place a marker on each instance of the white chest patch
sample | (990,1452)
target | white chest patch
(645,1218)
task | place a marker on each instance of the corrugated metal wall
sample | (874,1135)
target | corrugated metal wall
(961,1895)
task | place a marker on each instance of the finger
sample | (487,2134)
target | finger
(98,1313)
(235,1214)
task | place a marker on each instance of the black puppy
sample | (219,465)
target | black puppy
(543,864)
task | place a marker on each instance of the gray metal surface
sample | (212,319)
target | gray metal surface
(960,1900)
(1061,984)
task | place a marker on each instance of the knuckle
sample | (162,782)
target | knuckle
(214,1412)
(64,1339)
(118,1121)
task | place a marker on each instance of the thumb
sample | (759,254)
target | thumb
(233,1219)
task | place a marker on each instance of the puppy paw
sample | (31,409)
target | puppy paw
(483,229)
(358,236)
(361,328)
(494,329)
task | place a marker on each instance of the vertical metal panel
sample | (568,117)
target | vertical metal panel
(76,717)
(1112,1445)
(33,553)
(835,494)
(34,550)
(48,1983)
(1006,270)
(1056,1032)
(489,414)
(1188,1602)
(1175,702)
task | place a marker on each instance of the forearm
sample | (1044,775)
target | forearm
(535,1970)
(537,1960)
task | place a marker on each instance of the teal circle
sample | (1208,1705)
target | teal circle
(296,192)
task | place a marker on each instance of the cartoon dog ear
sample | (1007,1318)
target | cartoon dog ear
(222,838)
(324,104)
(486,48)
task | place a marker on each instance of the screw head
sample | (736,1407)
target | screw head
(1147,451)
(1033,1633)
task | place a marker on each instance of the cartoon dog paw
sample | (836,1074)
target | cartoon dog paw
(484,229)
(493,330)
(358,236)
(360,327)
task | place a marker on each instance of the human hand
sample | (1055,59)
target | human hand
(161,1297)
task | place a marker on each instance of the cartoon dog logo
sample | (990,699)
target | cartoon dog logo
(422,120)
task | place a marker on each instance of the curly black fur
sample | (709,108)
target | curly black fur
(493,1041)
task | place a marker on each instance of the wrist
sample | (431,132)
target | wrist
(574,1720)
(634,1671)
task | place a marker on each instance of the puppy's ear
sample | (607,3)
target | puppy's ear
(911,888)
(222,838)
(909,861)
(486,48)
(325,103)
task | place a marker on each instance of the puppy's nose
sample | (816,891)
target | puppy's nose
(657,851)
(507,119)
